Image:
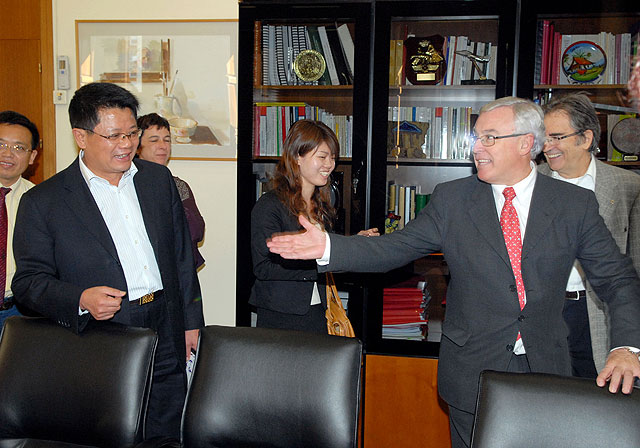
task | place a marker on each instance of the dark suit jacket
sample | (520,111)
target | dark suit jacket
(483,315)
(62,246)
(281,285)
(618,194)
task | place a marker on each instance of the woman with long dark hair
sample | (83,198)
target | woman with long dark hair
(290,294)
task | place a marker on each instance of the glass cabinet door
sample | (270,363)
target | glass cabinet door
(300,62)
(445,62)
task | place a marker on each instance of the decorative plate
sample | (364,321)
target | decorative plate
(309,65)
(584,62)
(624,136)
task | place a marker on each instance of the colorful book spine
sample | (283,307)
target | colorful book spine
(272,121)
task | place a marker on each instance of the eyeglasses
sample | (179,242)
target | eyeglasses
(490,140)
(556,138)
(120,137)
(15,149)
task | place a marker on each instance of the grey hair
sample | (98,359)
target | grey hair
(529,119)
(582,115)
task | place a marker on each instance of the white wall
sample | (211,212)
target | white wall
(213,183)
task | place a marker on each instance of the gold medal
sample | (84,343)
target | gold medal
(309,65)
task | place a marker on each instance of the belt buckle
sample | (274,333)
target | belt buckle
(147,298)
(572,295)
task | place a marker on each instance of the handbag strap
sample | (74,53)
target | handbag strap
(332,291)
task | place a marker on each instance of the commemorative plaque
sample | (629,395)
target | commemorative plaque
(309,65)
(424,62)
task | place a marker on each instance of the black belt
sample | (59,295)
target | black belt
(6,303)
(148,298)
(575,295)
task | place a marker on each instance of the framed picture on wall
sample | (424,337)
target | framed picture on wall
(184,70)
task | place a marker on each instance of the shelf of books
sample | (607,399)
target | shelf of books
(575,51)
(302,71)
(438,78)
(594,55)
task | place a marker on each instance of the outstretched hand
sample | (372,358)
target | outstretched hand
(621,369)
(305,245)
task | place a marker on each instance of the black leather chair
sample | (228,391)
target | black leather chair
(255,387)
(550,411)
(58,389)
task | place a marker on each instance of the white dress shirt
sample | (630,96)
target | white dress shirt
(121,211)
(12,199)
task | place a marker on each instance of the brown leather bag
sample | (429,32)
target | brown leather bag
(337,321)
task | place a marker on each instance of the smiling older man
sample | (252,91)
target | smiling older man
(573,132)
(509,237)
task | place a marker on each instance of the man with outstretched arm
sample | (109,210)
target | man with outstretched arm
(510,237)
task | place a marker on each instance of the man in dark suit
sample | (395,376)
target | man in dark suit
(508,276)
(107,239)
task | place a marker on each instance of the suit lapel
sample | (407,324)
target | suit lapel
(81,203)
(606,188)
(542,212)
(482,212)
(145,191)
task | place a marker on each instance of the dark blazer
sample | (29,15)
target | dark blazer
(618,194)
(62,246)
(281,285)
(483,315)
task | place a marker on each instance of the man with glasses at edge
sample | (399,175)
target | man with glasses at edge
(107,239)
(507,285)
(573,132)
(19,140)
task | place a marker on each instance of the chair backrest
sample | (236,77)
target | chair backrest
(88,389)
(275,388)
(539,410)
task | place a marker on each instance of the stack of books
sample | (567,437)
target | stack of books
(404,314)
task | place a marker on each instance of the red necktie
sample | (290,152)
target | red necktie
(3,238)
(511,230)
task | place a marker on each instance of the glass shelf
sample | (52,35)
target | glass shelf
(428,162)
(453,94)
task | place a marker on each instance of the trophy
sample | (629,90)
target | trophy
(425,62)
(475,59)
